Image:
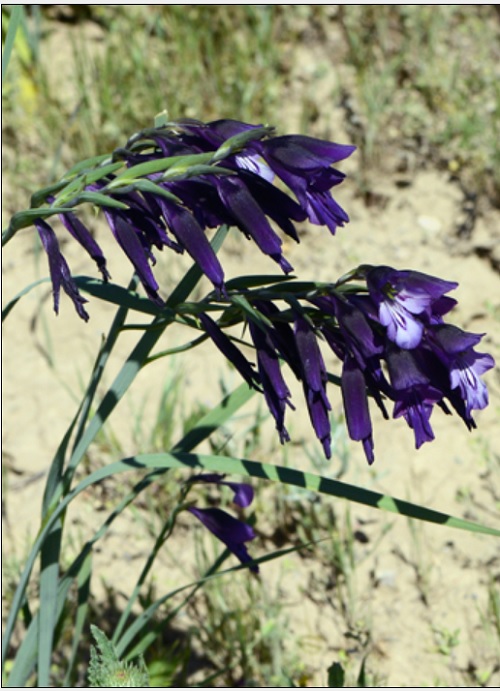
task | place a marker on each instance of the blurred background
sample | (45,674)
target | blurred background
(417,89)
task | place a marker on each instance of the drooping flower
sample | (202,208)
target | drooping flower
(276,392)
(455,348)
(59,270)
(191,236)
(78,230)
(130,242)
(304,165)
(230,351)
(250,218)
(356,409)
(405,301)
(314,378)
(229,530)
(414,392)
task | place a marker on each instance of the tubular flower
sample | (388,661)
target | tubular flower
(455,348)
(276,391)
(59,270)
(414,395)
(230,351)
(229,530)
(405,301)
(355,400)
(303,163)
(314,378)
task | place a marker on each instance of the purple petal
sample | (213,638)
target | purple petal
(402,328)
(356,406)
(59,270)
(229,530)
(77,229)
(243,492)
(229,350)
(129,241)
(276,391)
(298,152)
(250,218)
(191,236)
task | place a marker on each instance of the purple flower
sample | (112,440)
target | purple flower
(276,392)
(414,393)
(356,408)
(229,350)
(250,218)
(191,236)
(303,163)
(59,269)
(229,530)
(405,301)
(455,348)
(76,228)
(314,378)
(243,492)
(130,241)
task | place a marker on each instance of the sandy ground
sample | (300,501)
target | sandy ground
(412,585)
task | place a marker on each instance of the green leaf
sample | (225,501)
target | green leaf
(40,196)
(86,177)
(192,171)
(145,185)
(49,581)
(257,281)
(84,577)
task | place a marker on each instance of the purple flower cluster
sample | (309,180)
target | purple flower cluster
(393,345)
(388,333)
(219,173)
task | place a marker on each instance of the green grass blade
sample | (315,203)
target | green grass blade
(49,581)
(84,576)
(12,303)
(215,418)
(15,18)
(287,476)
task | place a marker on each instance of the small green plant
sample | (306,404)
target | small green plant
(106,670)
